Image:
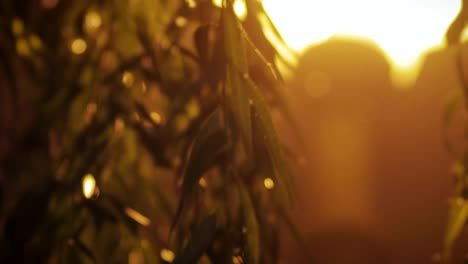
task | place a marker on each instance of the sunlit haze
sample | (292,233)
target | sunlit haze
(403,29)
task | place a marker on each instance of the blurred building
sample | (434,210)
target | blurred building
(377,180)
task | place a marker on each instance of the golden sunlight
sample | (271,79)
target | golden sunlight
(404,29)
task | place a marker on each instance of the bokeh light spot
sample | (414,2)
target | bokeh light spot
(167,255)
(78,46)
(88,186)
(269,183)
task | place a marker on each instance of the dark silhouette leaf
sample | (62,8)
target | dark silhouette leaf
(235,53)
(85,250)
(199,242)
(271,142)
(253,234)
(209,144)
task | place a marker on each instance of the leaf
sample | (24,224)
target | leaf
(200,241)
(236,55)
(202,43)
(253,235)
(267,130)
(457,218)
(454,31)
(234,45)
(85,250)
(239,103)
(209,144)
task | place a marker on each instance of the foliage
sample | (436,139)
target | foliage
(458,212)
(166,106)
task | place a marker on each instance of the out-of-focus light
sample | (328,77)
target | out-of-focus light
(181,21)
(78,46)
(17,26)
(404,29)
(240,9)
(138,217)
(35,42)
(269,183)
(192,108)
(92,21)
(202,182)
(191,3)
(218,3)
(22,47)
(167,255)
(156,117)
(128,79)
(88,186)
(48,4)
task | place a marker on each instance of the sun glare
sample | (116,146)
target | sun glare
(403,29)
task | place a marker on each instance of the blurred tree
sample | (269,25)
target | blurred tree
(138,131)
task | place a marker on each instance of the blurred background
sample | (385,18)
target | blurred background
(369,90)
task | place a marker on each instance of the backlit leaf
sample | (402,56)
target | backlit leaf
(457,218)
(263,118)
(209,144)
(235,53)
(201,238)
(253,236)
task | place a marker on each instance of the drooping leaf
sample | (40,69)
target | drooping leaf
(454,31)
(202,43)
(235,53)
(85,250)
(265,124)
(250,218)
(272,77)
(457,218)
(209,144)
(201,238)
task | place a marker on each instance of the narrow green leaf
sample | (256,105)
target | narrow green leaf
(200,241)
(457,218)
(85,250)
(234,44)
(267,130)
(235,53)
(209,144)
(253,235)
(202,43)
(239,103)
